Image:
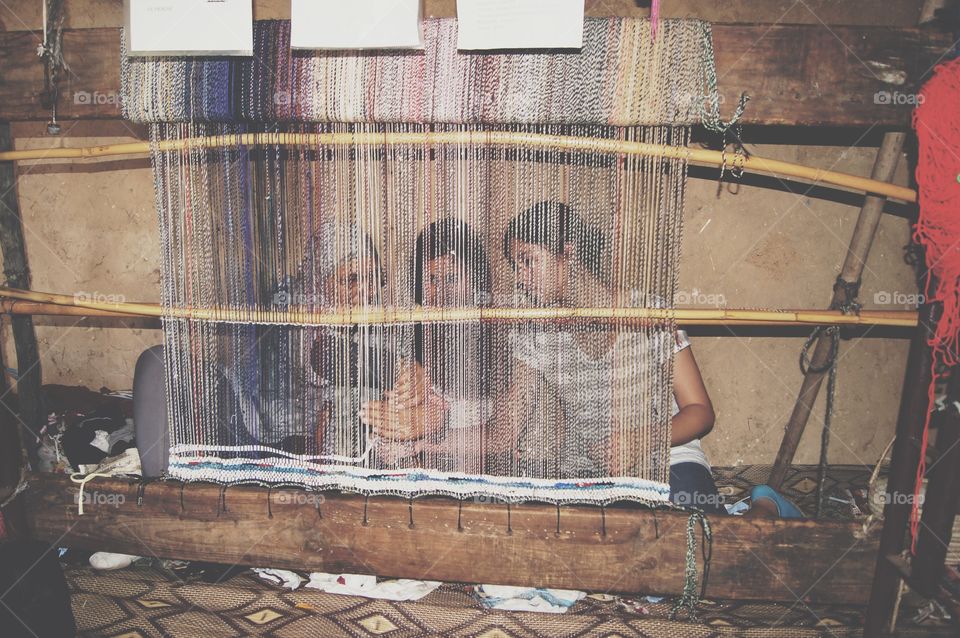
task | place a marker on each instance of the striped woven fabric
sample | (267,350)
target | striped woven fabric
(622,76)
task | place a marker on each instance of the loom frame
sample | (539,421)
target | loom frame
(50,517)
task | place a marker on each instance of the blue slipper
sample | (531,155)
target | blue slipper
(785,508)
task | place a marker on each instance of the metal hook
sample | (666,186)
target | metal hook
(558,519)
(459,515)
(410,509)
(269,501)
(141,487)
(317,503)
(656,525)
(222,501)
(509,522)
(366,501)
(183,484)
(603,520)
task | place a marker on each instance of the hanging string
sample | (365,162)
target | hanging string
(710,105)
(690,599)
(51,52)
(832,333)
(937,126)
(654,18)
(845,299)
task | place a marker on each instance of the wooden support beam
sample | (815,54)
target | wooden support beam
(904,459)
(12,471)
(795,74)
(617,549)
(888,156)
(17,273)
(940,502)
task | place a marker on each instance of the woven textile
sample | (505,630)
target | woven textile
(622,77)
(359,294)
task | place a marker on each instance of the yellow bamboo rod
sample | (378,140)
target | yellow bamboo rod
(44,303)
(703,157)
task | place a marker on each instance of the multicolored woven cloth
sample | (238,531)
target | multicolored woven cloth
(622,76)
(301,193)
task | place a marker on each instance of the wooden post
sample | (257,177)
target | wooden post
(863,234)
(28,406)
(903,470)
(940,500)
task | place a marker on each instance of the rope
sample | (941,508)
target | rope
(710,115)
(845,300)
(690,599)
(51,52)
(82,481)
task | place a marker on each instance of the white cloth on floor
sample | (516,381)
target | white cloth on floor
(368,587)
(282,577)
(127,462)
(109,560)
(553,601)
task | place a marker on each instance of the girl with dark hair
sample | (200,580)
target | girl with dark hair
(440,399)
(558,261)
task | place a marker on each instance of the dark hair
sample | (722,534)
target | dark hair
(553,225)
(451,236)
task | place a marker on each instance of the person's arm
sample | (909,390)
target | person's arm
(511,410)
(695,418)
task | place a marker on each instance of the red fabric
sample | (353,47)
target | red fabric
(936,121)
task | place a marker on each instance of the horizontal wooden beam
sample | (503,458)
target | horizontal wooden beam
(28,302)
(795,74)
(616,549)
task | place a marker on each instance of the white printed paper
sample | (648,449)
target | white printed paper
(355,24)
(189,27)
(520,24)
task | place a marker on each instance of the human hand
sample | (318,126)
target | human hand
(389,421)
(409,388)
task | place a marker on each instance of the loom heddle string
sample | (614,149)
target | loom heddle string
(369,226)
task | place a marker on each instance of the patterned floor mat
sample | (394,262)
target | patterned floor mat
(799,485)
(143,602)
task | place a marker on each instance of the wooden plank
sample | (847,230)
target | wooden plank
(616,549)
(904,459)
(16,272)
(795,74)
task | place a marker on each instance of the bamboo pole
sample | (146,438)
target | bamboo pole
(32,302)
(703,157)
(857,252)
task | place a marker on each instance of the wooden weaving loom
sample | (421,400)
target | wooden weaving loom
(618,547)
